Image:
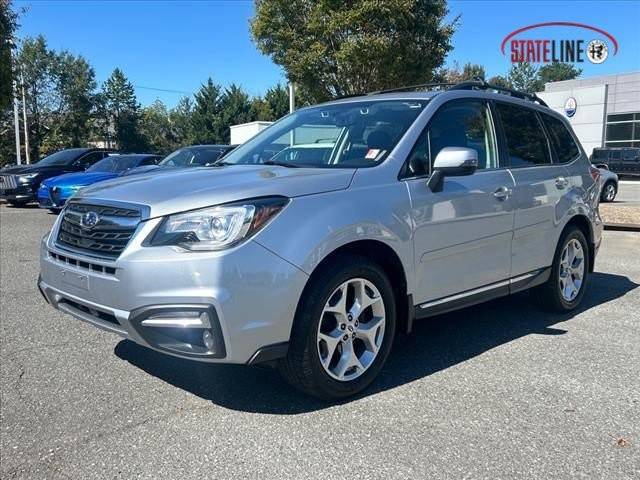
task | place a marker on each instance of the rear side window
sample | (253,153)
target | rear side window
(526,140)
(561,140)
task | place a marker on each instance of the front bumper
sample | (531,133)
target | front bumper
(249,293)
(19,194)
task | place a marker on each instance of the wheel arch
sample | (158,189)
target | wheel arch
(583,223)
(384,256)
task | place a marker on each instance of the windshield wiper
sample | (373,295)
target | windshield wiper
(280,164)
(219,163)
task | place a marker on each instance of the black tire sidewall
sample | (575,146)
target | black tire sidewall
(311,313)
(571,234)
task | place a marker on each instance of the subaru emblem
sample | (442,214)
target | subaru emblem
(89,220)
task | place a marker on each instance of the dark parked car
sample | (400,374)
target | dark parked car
(620,160)
(19,184)
(191,156)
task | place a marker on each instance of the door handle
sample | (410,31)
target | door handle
(502,193)
(561,182)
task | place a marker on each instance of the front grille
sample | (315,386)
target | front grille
(107,238)
(7,182)
(94,267)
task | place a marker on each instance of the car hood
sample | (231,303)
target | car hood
(80,179)
(143,169)
(178,190)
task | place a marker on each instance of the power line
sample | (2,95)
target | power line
(164,90)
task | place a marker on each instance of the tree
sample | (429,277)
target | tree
(278,100)
(556,72)
(7,28)
(332,48)
(76,84)
(180,118)
(156,128)
(122,112)
(38,67)
(470,71)
(235,108)
(206,114)
(524,77)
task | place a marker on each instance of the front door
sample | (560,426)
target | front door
(462,234)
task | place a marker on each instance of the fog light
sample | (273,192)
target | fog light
(207,338)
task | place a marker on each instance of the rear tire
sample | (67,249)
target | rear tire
(569,278)
(335,355)
(609,192)
(15,204)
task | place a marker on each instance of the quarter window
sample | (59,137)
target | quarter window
(562,141)
(458,123)
(526,140)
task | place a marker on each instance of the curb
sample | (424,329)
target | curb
(622,227)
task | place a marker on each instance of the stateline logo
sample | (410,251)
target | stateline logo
(566,50)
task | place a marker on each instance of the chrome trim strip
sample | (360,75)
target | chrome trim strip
(475,291)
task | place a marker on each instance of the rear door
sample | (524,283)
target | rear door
(462,234)
(631,161)
(539,190)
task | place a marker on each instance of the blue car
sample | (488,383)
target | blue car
(54,192)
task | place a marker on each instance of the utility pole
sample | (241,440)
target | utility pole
(292,97)
(27,154)
(16,116)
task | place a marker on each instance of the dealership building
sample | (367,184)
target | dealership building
(603,111)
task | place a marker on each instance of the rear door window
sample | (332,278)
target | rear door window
(561,139)
(526,141)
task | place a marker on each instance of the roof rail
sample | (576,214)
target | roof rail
(420,86)
(482,85)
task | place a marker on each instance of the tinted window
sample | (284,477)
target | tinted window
(63,157)
(150,161)
(561,140)
(459,123)
(526,141)
(91,158)
(616,155)
(115,164)
(192,157)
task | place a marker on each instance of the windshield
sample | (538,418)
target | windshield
(344,135)
(114,164)
(62,157)
(192,157)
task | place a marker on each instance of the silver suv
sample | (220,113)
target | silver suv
(426,202)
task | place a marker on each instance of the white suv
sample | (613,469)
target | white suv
(422,202)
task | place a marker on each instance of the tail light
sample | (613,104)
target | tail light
(595,174)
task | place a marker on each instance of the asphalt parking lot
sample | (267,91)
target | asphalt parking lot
(495,391)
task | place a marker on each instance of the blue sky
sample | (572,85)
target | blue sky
(178,45)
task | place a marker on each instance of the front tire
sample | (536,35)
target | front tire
(567,284)
(609,192)
(343,330)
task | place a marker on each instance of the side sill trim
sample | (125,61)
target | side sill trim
(482,294)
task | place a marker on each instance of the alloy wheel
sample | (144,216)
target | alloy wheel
(571,270)
(351,329)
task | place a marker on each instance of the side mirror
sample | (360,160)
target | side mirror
(452,162)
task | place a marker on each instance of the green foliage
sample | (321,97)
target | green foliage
(75,83)
(206,114)
(470,71)
(333,48)
(122,112)
(556,72)
(500,81)
(524,77)
(39,68)
(156,128)
(7,28)
(180,120)
(235,108)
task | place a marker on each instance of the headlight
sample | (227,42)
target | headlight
(219,227)
(27,177)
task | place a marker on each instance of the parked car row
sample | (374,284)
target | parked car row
(57,177)
(312,245)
